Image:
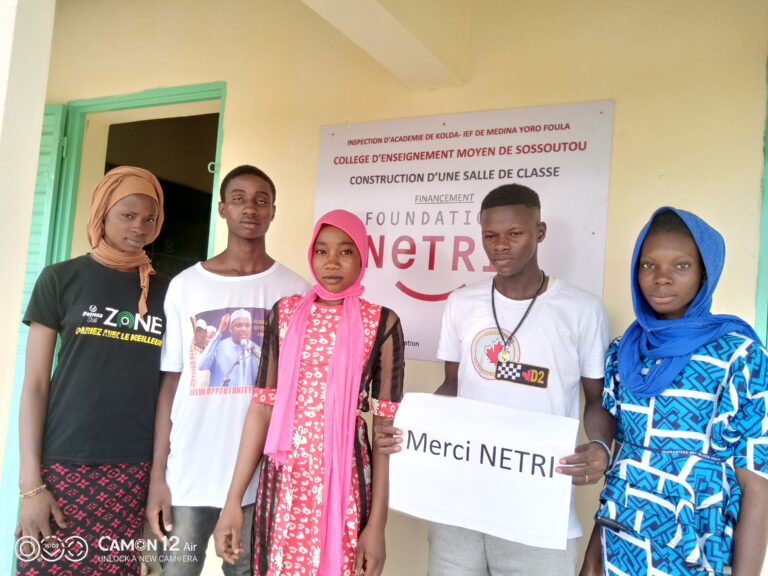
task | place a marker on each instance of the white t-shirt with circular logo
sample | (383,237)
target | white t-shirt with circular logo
(564,338)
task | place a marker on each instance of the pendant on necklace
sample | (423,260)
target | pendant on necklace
(503,356)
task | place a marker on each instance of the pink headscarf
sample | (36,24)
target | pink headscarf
(341,391)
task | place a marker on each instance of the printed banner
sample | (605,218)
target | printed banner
(418,183)
(484,467)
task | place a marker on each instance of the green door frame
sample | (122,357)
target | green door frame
(78,111)
(761,302)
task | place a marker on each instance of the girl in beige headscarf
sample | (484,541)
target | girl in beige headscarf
(86,431)
(118,184)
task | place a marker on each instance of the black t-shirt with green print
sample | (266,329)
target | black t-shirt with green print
(101,406)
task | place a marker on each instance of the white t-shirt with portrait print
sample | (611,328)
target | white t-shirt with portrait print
(210,404)
(564,338)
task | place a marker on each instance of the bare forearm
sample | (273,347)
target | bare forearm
(379,486)
(251,448)
(33,410)
(41,343)
(598,423)
(447,389)
(592,556)
(450,385)
(751,532)
(162,443)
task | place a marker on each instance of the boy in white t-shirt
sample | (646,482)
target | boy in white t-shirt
(205,395)
(528,341)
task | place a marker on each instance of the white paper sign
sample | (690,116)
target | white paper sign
(484,467)
(417,183)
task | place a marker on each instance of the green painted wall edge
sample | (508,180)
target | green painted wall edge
(761,303)
(38,256)
(77,112)
(216,177)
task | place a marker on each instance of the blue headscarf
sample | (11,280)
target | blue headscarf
(674,341)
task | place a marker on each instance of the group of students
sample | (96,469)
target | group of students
(254,435)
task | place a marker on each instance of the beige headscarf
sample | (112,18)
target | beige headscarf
(116,185)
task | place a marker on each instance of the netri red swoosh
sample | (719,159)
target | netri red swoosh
(425,297)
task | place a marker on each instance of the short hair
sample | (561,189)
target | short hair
(668,221)
(246,169)
(511,195)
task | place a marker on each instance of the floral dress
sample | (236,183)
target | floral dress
(289,500)
(671,499)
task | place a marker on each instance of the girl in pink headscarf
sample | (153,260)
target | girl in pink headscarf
(327,357)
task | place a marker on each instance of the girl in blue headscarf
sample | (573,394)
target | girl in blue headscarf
(689,391)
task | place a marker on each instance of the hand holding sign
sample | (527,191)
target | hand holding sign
(587,465)
(386,438)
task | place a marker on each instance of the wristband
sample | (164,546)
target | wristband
(605,447)
(33,492)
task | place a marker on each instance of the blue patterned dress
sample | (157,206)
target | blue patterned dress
(671,499)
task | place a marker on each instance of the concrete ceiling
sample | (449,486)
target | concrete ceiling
(423,43)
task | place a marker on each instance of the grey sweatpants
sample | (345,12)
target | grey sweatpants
(460,552)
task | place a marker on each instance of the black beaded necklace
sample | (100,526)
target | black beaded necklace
(504,354)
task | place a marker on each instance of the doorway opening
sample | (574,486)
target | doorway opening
(180,152)
(85,151)
(180,149)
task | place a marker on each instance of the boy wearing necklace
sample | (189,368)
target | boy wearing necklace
(529,341)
